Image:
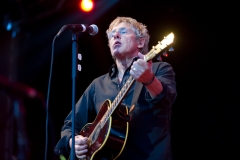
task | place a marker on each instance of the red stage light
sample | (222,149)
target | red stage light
(86,5)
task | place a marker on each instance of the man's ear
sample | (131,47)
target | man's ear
(141,42)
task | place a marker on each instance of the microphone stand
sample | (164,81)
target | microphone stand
(75,29)
(74,73)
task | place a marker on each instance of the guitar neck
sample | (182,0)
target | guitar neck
(119,98)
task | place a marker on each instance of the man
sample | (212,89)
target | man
(148,136)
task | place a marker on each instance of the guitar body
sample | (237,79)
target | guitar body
(108,139)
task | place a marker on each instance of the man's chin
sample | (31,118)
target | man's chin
(116,52)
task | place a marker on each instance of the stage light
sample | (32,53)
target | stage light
(86,5)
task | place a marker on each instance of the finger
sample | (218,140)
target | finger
(80,137)
(141,63)
(80,140)
(81,157)
(144,66)
(81,147)
(140,55)
(81,152)
(133,67)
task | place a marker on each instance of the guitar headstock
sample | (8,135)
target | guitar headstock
(159,47)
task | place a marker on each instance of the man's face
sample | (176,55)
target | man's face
(122,41)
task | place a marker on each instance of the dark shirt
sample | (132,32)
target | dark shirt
(149,129)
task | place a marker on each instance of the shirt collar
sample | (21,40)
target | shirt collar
(113,71)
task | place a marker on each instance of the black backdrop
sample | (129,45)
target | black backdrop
(205,117)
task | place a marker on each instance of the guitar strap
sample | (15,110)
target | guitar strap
(137,90)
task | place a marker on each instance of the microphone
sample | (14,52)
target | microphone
(92,29)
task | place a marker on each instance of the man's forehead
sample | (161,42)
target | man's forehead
(121,25)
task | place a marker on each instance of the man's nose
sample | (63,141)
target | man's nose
(116,34)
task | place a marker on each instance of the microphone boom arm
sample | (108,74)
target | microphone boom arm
(75,28)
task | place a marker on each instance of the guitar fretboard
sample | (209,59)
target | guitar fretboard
(118,99)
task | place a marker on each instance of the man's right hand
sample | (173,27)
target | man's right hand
(81,146)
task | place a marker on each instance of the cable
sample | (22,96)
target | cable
(48,92)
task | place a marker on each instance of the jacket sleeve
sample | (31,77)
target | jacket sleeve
(165,74)
(84,113)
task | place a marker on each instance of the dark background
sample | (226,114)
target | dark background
(205,117)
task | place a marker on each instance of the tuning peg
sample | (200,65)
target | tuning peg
(171,49)
(159,58)
(165,54)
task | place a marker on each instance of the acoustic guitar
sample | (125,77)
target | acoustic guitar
(109,131)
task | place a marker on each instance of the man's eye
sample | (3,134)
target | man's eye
(111,34)
(123,31)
